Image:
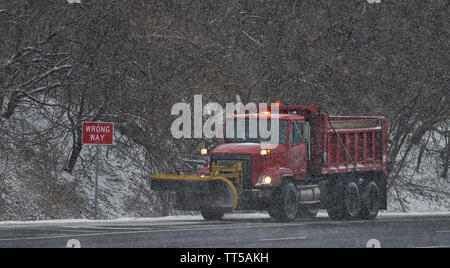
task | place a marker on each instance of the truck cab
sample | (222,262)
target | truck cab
(262,165)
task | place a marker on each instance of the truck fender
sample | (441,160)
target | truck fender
(277,175)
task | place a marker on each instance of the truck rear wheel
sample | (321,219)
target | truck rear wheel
(212,215)
(285,205)
(352,201)
(370,202)
(347,203)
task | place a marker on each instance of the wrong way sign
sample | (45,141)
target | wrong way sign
(100,133)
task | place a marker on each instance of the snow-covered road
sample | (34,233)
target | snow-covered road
(174,219)
(252,230)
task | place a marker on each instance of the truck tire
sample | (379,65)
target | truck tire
(347,204)
(212,215)
(352,201)
(285,204)
(333,199)
(307,212)
(335,213)
(370,205)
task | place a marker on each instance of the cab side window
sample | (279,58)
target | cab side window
(296,133)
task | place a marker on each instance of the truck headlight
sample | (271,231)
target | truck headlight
(203,151)
(264,152)
(267,180)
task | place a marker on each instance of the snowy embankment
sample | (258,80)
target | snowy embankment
(125,195)
(123,183)
(33,185)
(422,189)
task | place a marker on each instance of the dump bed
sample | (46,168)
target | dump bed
(355,144)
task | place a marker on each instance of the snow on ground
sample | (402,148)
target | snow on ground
(26,191)
(187,218)
(423,190)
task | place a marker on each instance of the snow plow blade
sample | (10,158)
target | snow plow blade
(198,193)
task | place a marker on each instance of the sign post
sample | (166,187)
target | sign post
(96,182)
(97,133)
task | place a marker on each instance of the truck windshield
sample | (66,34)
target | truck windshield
(244,136)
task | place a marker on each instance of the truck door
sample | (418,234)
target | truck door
(298,150)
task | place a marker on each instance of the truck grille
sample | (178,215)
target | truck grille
(229,160)
(226,163)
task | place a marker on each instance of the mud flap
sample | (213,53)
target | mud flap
(198,193)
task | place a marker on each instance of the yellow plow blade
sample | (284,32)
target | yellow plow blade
(198,192)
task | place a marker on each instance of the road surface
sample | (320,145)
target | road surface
(240,231)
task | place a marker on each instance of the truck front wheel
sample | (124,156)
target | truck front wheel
(213,215)
(285,203)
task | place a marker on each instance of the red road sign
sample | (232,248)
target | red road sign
(98,133)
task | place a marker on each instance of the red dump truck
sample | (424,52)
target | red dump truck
(337,163)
